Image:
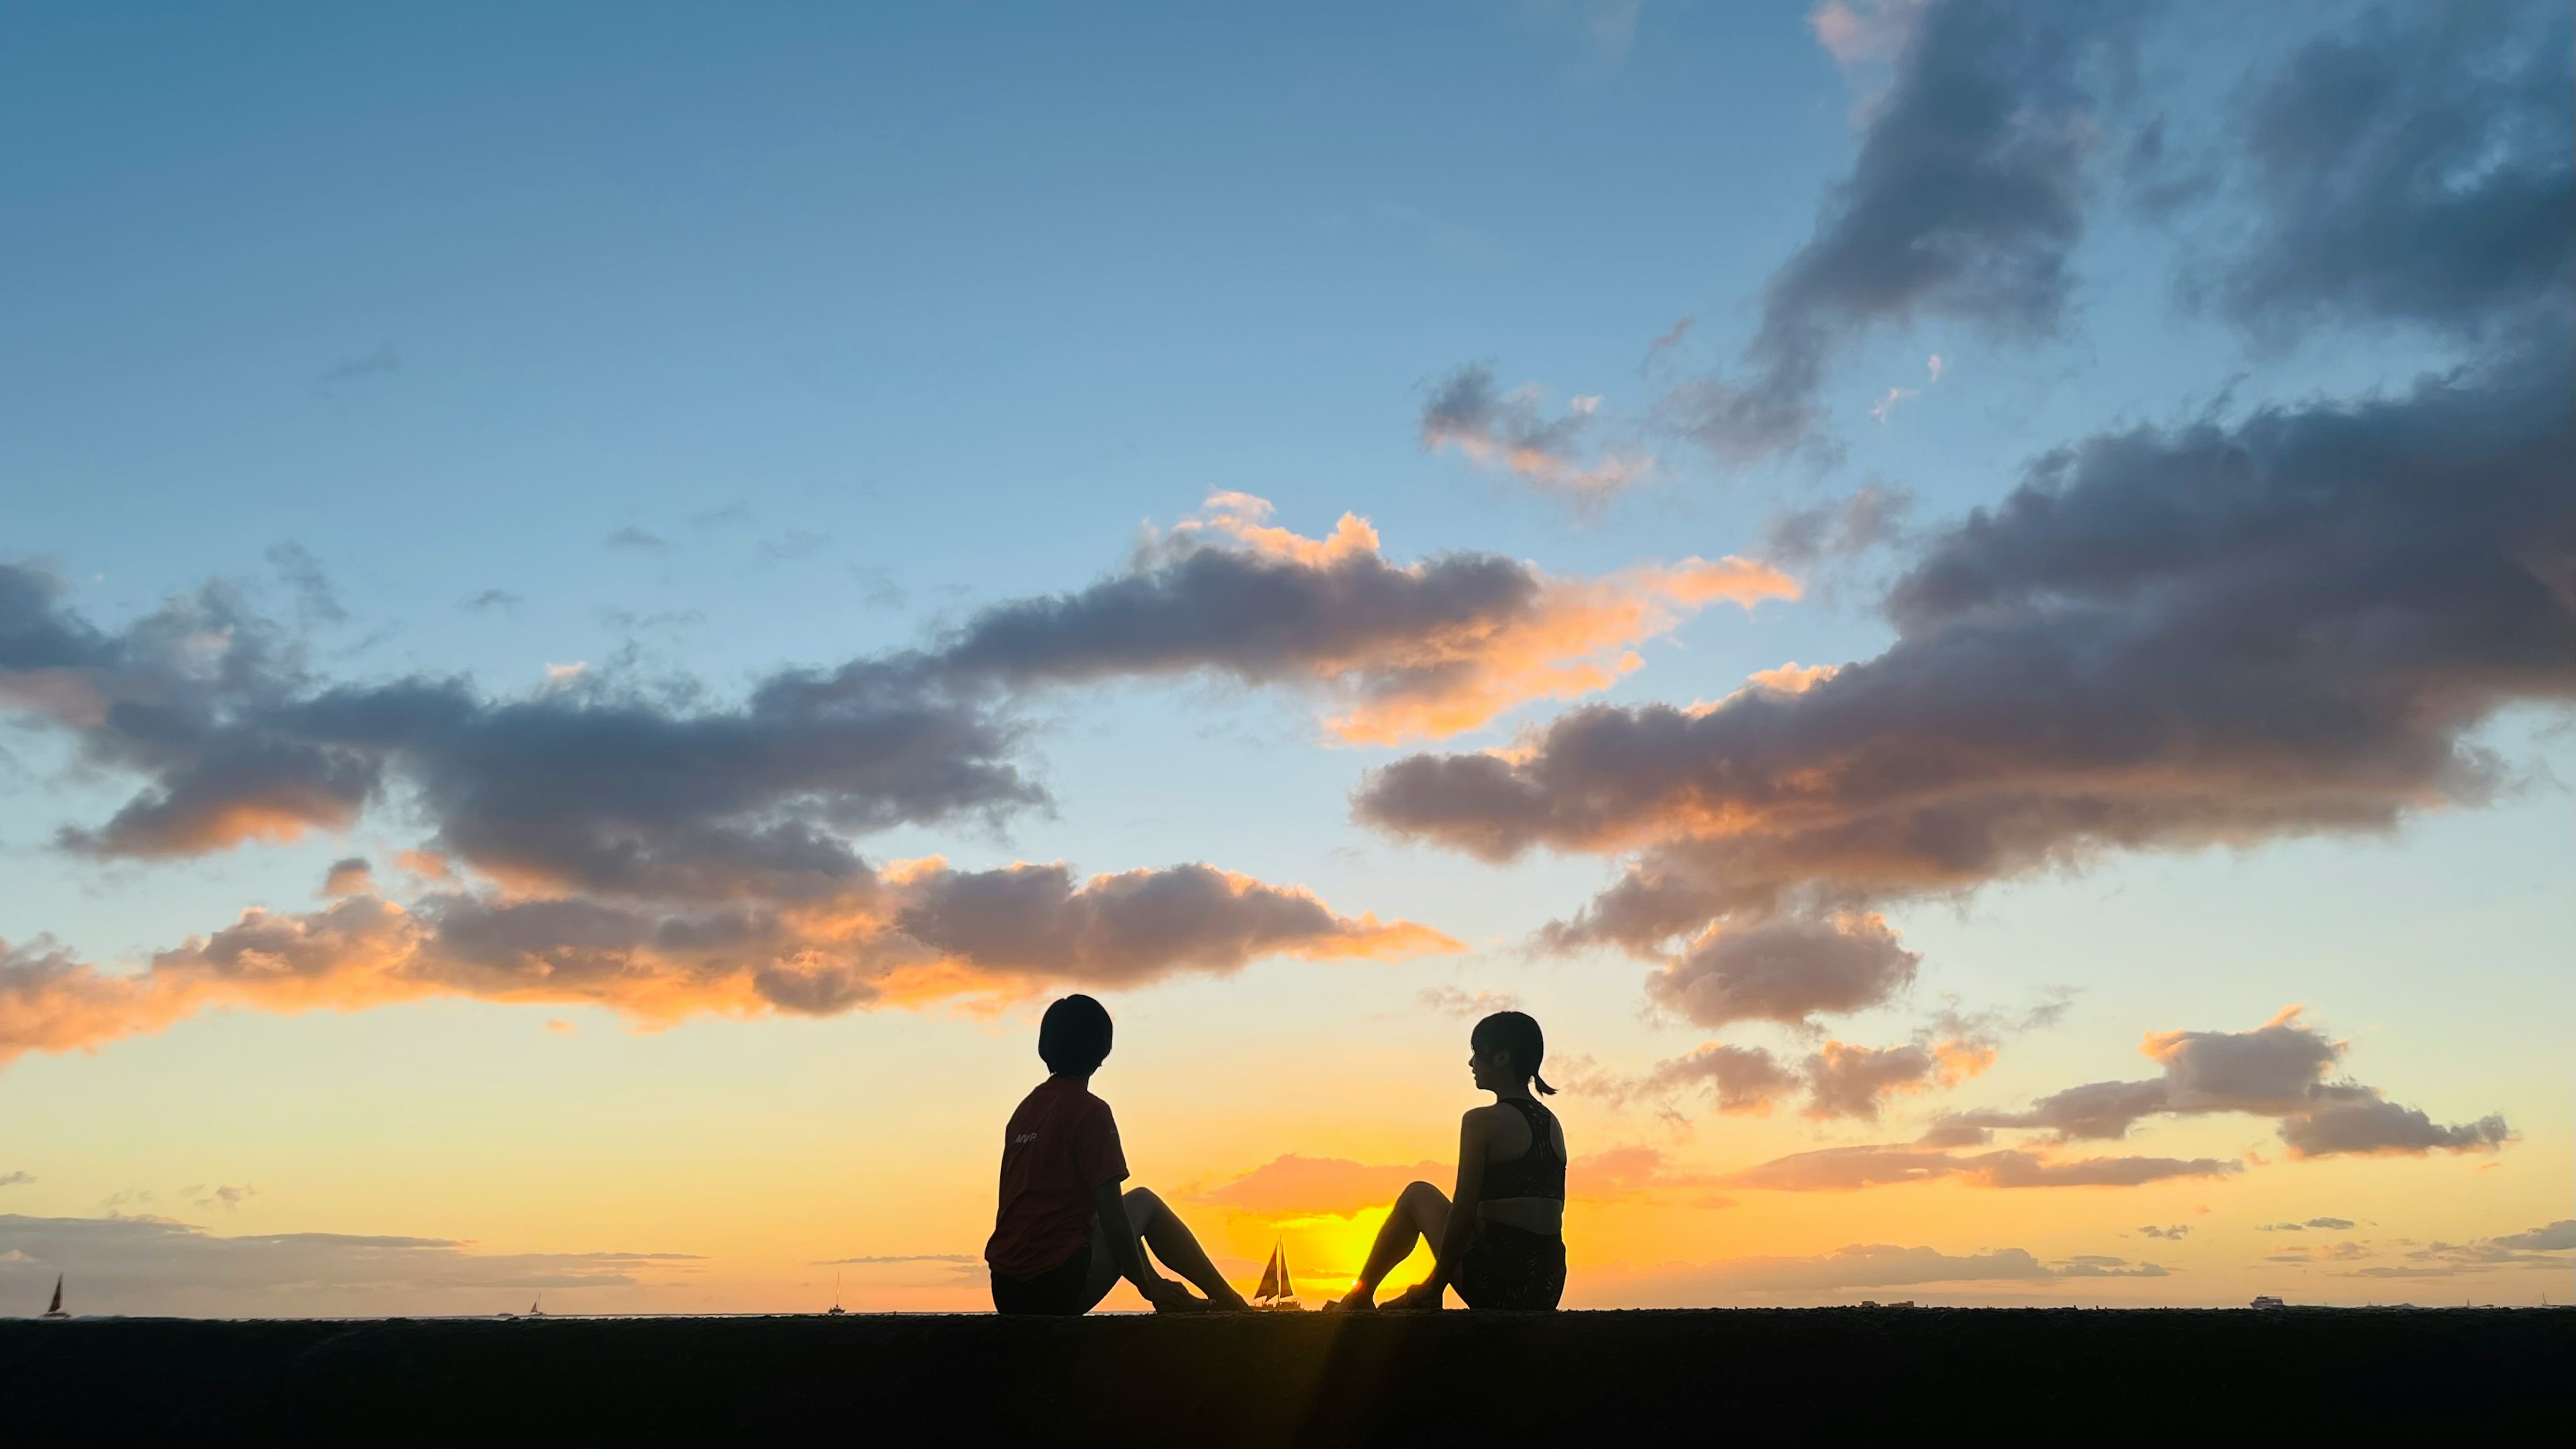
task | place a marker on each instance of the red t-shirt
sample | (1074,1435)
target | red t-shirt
(1062,1143)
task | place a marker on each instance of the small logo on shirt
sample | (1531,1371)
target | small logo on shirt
(1023,1139)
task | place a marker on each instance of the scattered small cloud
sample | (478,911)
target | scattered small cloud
(2176,1232)
(1869,517)
(1508,431)
(490,601)
(16,1179)
(877,588)
(631,537)
(560,1027)
(316,602)
(1458,1001)
(349,877)
(794,544)
(1671,338)
(351,369)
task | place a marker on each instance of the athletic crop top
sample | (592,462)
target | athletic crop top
(1538,1172)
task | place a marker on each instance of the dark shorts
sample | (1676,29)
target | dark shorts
(1064,1288)
(1508,1267)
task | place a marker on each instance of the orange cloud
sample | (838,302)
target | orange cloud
(1293,1186)
(922,933)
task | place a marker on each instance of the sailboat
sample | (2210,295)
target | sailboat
(835,1310)
(55,1308)
(538,1308)
(1276,1293)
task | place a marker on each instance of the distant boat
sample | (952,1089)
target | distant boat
(835,1310)
(538,1308)
(55,1308)
(2268,1301)
(1276,1292)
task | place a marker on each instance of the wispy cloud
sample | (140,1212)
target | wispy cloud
(1509,431)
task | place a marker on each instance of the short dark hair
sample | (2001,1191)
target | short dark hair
(1517,1033)
(1073,1036)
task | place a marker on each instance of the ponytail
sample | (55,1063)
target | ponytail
(1539,1084)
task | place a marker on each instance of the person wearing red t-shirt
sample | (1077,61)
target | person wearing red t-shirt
(1064,1234)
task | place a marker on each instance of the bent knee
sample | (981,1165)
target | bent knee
(1417,1191)
(1140,1199)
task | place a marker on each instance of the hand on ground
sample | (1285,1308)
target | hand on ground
(1420,1298)
(1170,1297)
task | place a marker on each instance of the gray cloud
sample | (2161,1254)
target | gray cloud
(2363,1122)
(1506,431)
(1741,1079)
(2322,1224)
(1786,969)
(2276,1070)
(1873,1265)
(631,537)
(1839,1079)
(156,1266)
(594,788)
(2547,1247)
(1967,200)
(373,364)
(1869,517)
(16,1179)
(2557,1237)
(2417,168)
(1405,651)
(2099,1265)
(489,600)
(1127,929)
(1852,1081)
(1849,1169)
(2171,1234)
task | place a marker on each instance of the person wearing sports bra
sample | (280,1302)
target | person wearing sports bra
(1500,1238)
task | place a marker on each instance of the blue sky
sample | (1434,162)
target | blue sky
(686,346)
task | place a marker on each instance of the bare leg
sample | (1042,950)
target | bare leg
(1176,1248)
(1420,1214)
(1170,1242)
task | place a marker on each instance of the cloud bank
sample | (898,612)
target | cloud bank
(157,1266)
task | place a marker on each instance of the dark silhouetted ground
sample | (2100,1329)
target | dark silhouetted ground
(1700,1377)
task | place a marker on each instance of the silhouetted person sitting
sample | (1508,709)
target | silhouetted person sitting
(1501,1241)
(1064,1234)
